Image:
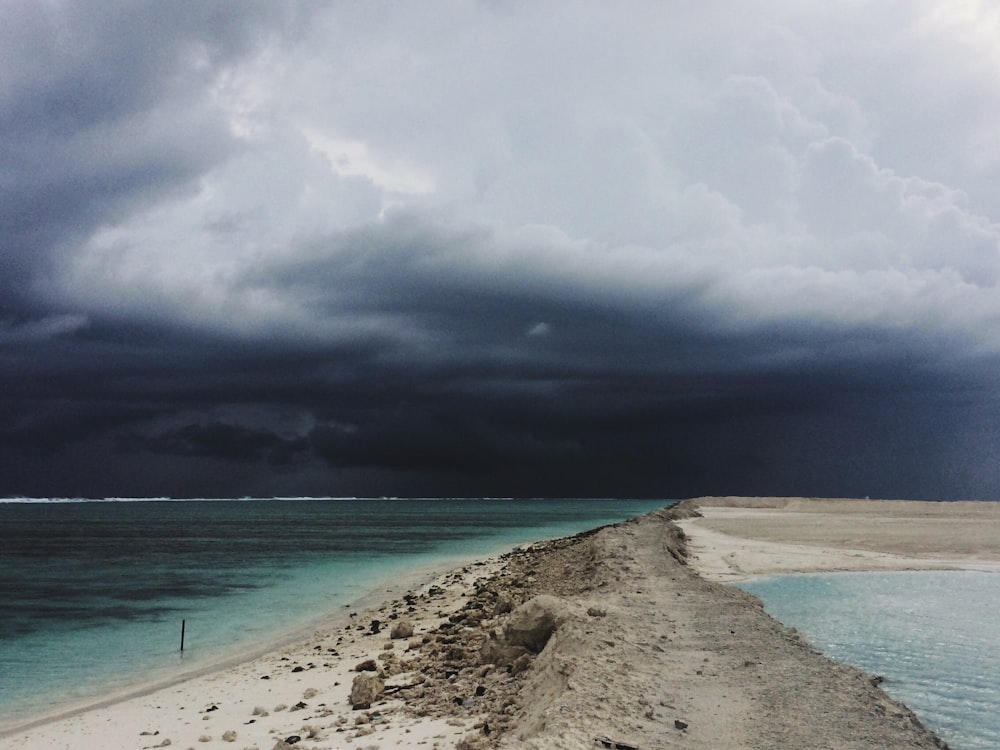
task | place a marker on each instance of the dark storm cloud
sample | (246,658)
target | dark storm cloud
(463,387)
(353,249)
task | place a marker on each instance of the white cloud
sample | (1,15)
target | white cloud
(782,156)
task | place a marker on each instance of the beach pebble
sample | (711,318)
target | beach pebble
(229,736)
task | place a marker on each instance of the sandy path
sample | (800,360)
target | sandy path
(673,660)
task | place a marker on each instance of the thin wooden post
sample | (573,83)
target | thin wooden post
(183,623)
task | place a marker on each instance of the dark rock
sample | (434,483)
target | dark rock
(375,626)
(680,724)
(368,665)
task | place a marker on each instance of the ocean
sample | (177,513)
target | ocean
(94,592)
(934,636)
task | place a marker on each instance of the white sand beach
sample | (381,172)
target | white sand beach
(613,638)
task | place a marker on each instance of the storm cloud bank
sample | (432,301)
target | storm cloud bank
(499,248)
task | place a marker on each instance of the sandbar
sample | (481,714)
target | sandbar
(613,638)
(733,538)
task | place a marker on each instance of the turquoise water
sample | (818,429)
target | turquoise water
(94,592)
(934,636)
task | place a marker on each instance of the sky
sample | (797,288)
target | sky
(463,247)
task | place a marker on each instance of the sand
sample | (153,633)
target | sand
(739,537)
(643,649)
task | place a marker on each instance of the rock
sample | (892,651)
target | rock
(401,629)
(375,626)
(497,651)
(680,724)
(229,736)
(520,664)
(368,665)
(533,623)
(597,612)
(504,604)
(365,690)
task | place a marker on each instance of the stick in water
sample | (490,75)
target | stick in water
(183,623)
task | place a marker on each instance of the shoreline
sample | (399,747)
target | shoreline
(642,649)
(386,588)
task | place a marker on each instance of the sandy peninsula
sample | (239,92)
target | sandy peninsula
(612,638)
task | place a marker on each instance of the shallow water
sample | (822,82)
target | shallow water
(94,592)
(932,635)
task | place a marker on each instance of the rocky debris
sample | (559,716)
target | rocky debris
(465,667)
(368,665)
(365,690)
